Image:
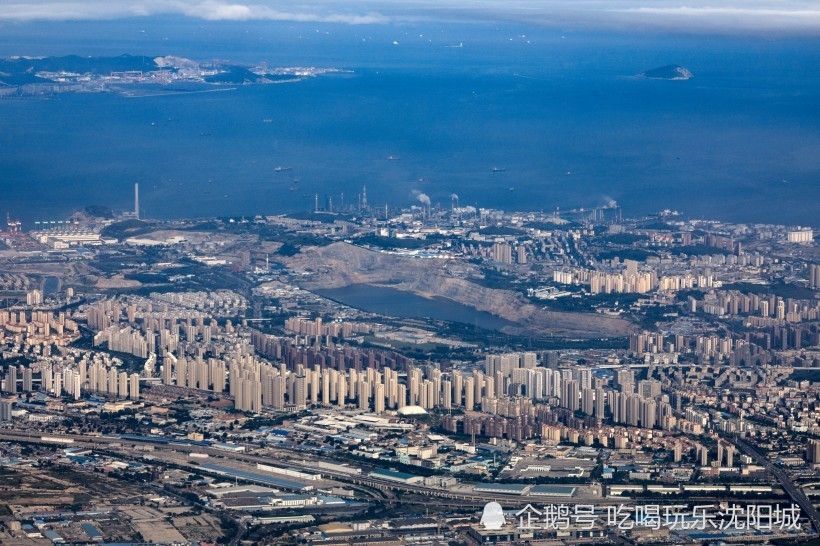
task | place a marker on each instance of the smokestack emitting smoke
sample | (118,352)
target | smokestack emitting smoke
(424,199)
(426,202)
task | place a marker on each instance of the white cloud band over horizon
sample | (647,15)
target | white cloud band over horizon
(730,16)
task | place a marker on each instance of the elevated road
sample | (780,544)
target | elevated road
(386,486)
(796,493)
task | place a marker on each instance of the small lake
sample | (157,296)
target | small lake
(51,285)
(398,303)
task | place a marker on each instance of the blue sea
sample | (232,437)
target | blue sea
(740,141)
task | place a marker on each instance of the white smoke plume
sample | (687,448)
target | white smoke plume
(422,197)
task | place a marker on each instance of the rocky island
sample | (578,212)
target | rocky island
(668,72)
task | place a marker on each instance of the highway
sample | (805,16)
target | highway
(377,487)
(796,494)
(386,487)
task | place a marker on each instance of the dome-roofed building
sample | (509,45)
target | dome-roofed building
(412,410)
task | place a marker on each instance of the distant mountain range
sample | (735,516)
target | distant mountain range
(668,72)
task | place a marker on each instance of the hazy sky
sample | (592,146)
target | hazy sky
(778,16)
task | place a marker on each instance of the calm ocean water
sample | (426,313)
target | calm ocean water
(740,141)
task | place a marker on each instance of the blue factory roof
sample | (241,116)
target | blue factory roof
(255,477)
(553,490)
(394,475)
(91,531)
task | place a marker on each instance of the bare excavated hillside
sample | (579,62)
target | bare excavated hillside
(342,264)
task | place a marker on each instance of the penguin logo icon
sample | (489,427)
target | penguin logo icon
(493,517)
